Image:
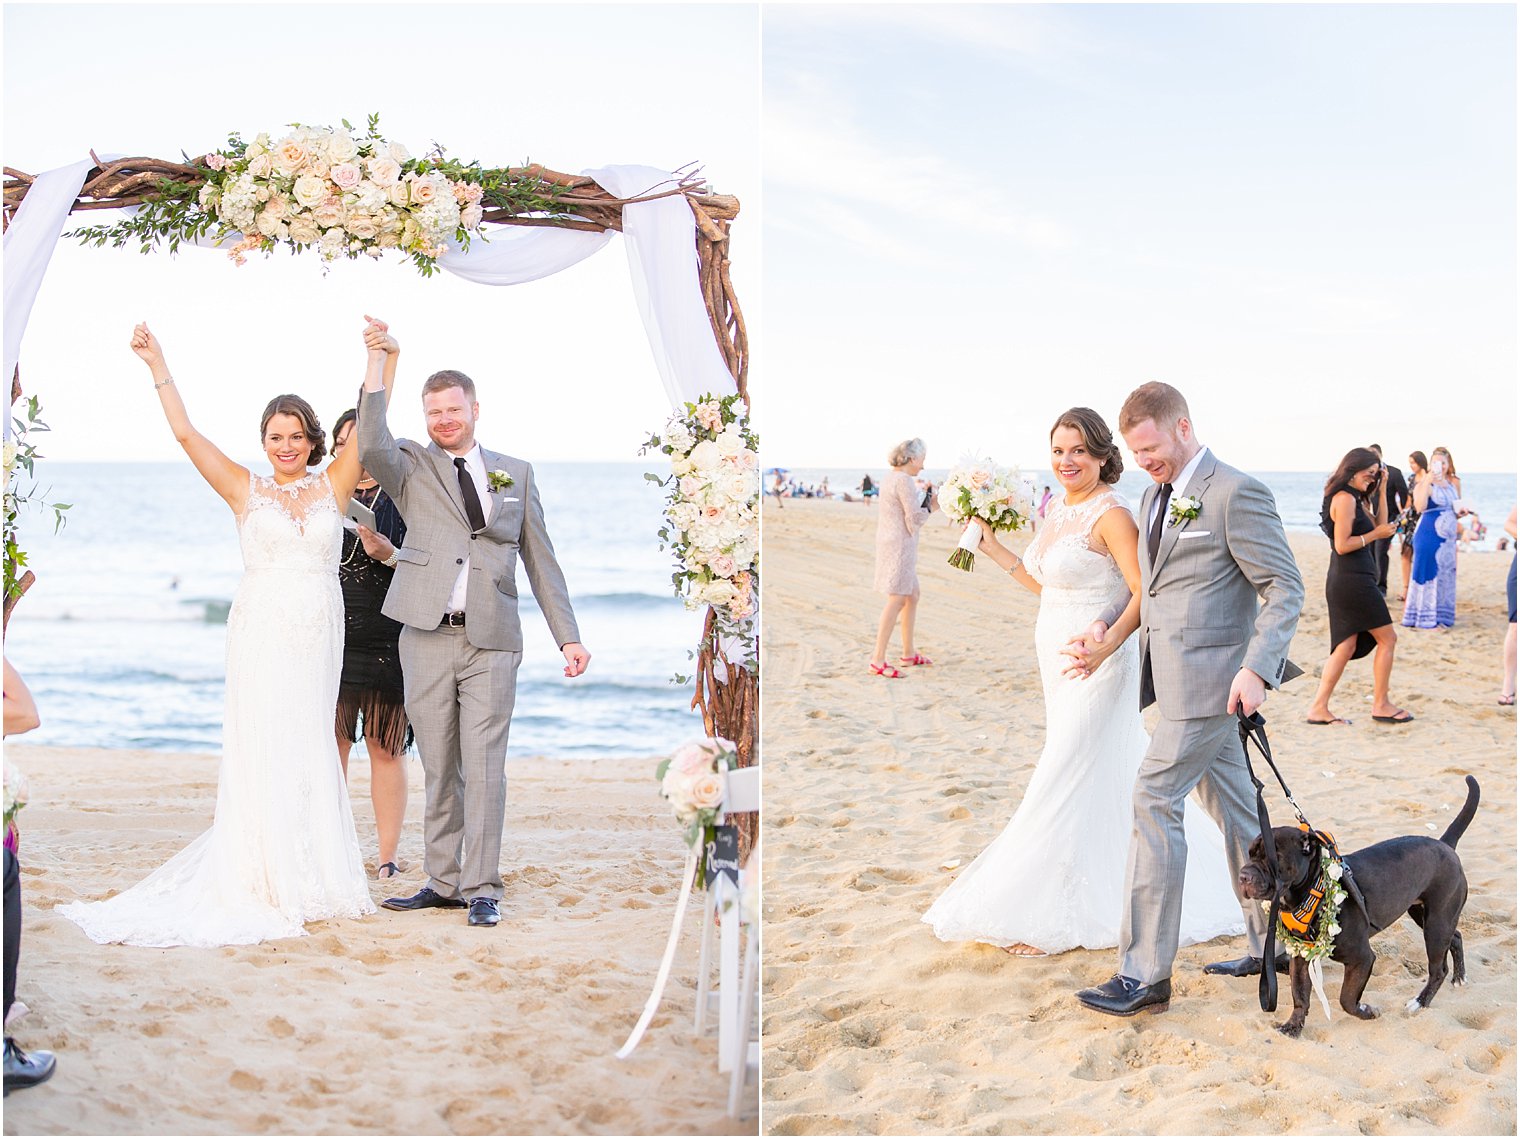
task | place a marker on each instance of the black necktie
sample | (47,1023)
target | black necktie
(471,497)
(1153,539)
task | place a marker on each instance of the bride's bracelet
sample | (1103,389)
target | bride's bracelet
(1013,569)
(165,382)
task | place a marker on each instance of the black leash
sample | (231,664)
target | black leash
(1253,728)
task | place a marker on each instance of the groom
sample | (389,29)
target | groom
(470,513)
(1215,544)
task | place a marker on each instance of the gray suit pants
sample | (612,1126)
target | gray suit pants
(459,699)
(1183,754)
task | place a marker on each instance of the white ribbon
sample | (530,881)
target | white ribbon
(665,962)
(971,538)
(1317,976)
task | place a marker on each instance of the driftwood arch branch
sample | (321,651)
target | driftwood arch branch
(577,203)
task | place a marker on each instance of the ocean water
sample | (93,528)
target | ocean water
(123,638)
(1298,493)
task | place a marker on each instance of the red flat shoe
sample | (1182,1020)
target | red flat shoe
(885,670)
(916,658)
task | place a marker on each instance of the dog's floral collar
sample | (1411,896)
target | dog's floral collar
(1183,509)
(1323,903)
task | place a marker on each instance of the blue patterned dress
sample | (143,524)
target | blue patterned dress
(1432,597)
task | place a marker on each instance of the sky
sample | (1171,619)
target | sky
(1302,216)
(562,365)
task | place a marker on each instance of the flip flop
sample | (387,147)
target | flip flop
(1404,719)
(1507,701)
(885,670)
(1327,723)
(916,658)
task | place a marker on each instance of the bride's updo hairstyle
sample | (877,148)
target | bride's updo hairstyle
(906,451)
(1097,438)
(298,407)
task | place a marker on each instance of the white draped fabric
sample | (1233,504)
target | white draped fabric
(662,260)
(29,243)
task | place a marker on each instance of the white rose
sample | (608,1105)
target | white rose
(328,214)
(309,190)
(341,148)
(401,194)
(706,791)
(389,238)
(470,217)
(384,170)
(363,227)
(398,153)
(303,230)
(705,455)
(268,225)
(729,444)
(334,243)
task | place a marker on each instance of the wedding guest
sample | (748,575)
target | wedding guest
(1418,465)
(371,687)
(1432,599)
(867,487)
(22,1070)
(1354,515)
(903,513)
(778,487)
(1396,491)
(1507,693)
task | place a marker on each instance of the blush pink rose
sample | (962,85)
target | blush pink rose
(423,191)
(345,175)
(706,791)
(291,155)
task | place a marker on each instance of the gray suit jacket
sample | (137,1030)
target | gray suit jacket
(424,484)
(1199,617)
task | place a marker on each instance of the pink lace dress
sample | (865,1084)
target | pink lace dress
(900,516)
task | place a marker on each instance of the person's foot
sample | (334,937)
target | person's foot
(1506,698)
(387,870)
(1394,716)
(23,1071)
(1245,966)
(483,911)
(1325,722)
(915,659)
(1023,949)
(1125,996)
(885,669)
(425,899)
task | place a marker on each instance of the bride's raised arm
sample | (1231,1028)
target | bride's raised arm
(383,353)
(227,478)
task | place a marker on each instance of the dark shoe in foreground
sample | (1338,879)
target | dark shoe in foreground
(1125,996)
(23,1071)
(483,911)
(1245,966)
(425,899)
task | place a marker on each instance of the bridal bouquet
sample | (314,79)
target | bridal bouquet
(693,780)
(979,488)
(712,519)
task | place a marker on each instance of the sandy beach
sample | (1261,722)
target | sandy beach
(873,1026)
(395,1024)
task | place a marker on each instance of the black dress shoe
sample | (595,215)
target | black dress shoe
(23,1071)
(425,899)
(483,911)
(1245,966)
(1125,996)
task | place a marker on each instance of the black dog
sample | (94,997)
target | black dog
(1412,874)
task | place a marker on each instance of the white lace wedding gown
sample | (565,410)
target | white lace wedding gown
(1054,878)
(282,849)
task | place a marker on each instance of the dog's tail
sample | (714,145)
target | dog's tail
(1469,809)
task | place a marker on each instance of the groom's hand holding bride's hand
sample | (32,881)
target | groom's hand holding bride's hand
(1087,650)
(378,339)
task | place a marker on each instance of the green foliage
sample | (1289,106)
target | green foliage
(21,454)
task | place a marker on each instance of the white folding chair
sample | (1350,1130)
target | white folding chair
(746,1042)
(721,903)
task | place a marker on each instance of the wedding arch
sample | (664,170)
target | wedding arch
(676,232)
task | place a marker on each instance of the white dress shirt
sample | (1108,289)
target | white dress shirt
(1183,477)
(474,463)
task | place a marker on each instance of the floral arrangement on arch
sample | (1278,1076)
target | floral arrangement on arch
(321,187)
(335,190)
(712,519)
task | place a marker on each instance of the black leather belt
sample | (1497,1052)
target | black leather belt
(454,619)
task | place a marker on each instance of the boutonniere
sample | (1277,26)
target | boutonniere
(1184,509)
(499,480)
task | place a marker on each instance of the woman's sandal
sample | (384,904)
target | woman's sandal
(1020,949)
(380,870)
(886,670)
(916,658)
(1508,700)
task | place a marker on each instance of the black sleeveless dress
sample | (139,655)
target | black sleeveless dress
(371,685)
(1352,596)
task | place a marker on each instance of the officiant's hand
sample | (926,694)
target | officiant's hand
(576,657)
(377,546)
(1087,650)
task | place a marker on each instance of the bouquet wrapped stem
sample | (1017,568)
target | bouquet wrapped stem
(963,557)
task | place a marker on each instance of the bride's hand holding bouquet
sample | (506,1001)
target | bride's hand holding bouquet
(978,493)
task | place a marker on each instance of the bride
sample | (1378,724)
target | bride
(282,850)
(1054,879)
